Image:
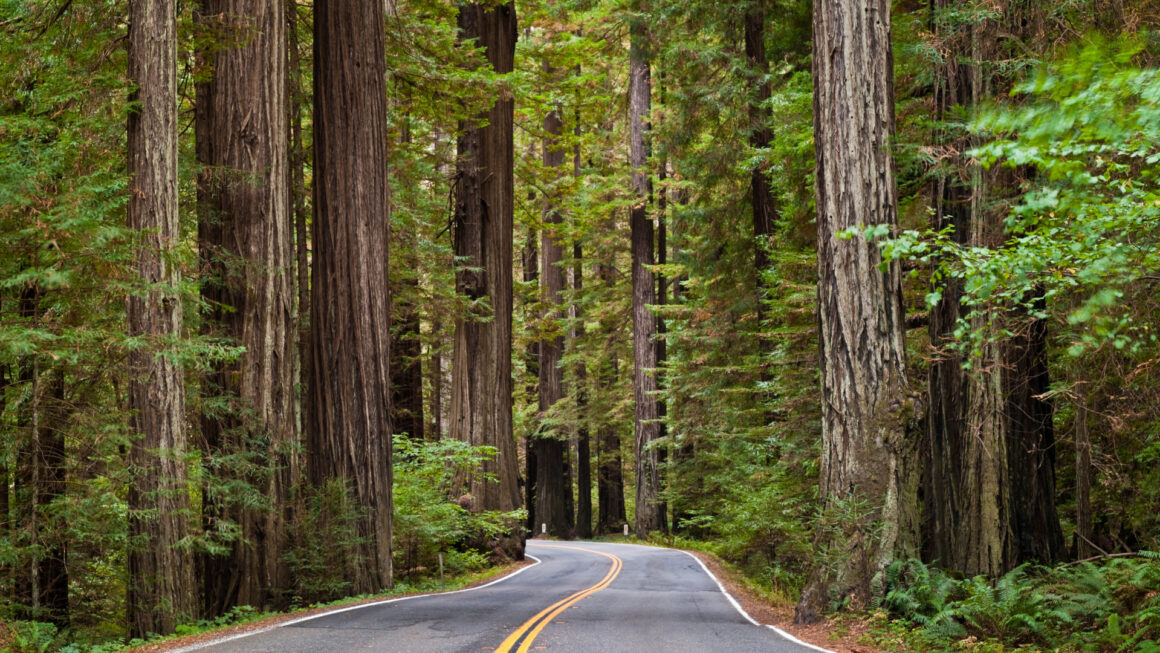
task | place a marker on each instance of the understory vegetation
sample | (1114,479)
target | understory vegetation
(663,360)
(1111,605)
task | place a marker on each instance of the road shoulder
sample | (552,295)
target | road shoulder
(189,642)
(826,634)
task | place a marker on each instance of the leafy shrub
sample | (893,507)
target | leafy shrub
(325,541)
(427,522)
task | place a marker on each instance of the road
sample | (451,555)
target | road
(583,596)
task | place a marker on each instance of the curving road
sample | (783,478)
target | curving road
(583,596)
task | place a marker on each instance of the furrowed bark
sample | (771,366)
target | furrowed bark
(650,512)
(551,443)
(989,467)
(481,395)
(610,509)
(583,445)
(350,390)
(161,581)
(407,367)
(531,268)
(245,234)
(868,479)
(760,136)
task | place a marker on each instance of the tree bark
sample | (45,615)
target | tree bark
(551,443)
(531,268)
(481,395)
(760,136)
(435,371)
(50,451)
(989,472)
(1031,447)
(299,193)
(407,366)
(350,435)
(245,234)
(1083,477)
(948,382)
(650,512)
(5,457)
(583,447)
(41,582)
(610,509)
(868,479)
(160,592)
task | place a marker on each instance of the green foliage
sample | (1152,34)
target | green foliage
(238,614)
(34,637)
(1111,606)
(428,522)
(1082,238)
(325,542)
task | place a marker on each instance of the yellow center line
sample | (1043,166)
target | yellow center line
(537,623)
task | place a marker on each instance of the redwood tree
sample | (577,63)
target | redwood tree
(481,387)
(552,489)
(350,390)
(760,135)
(160,572)
(868,480)
(246,242)
(650,509)
(990,461)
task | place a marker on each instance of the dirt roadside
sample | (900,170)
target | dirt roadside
(825,634)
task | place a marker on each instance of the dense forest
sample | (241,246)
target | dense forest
(304,300)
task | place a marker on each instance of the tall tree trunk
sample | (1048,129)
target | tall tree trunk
(530,258)
(610,509)
(760,136)
(435,371)
(551,443)
(26,581)
(991,479)
(407,345)
(481,395)
(407,365)
(1083,477)
(41,583)
(650,513)
(583,447)
(350,434)
(1031,446)
(867,409)
(50,451)
(245,234)
(5,457)
(948,382)
(161,587)
(299,193)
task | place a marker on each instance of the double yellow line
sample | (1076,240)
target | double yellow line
(537,623)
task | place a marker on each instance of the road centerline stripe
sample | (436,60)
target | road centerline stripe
(541,618)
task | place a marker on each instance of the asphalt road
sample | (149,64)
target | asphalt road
(583,596)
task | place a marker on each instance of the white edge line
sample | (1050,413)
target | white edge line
(745,614)
(291,622)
